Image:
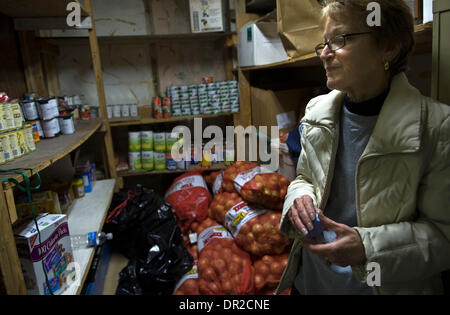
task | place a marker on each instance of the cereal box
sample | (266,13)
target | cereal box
(52,256)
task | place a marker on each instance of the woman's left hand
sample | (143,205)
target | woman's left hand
(347,249)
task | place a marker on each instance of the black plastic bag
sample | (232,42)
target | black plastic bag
(146,232)
(128,281)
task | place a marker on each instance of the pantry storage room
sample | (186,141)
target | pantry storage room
(137,155)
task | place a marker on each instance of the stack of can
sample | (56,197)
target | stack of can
(206,98)
(152,150)
(122,110)
(16,137)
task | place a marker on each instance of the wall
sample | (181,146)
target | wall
(137,69)
(12,80)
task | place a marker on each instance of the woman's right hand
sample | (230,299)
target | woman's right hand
(302,213)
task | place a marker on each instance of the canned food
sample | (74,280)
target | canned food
(30,110)
(66,125)
(6,147)
(134,141)
(2,154)
(47,108)
(147,140)
(207,79)
(116,111)
(157,102)
(125,110)
(51,127)
(134,110)
(2,123)
(14,142)
(37,128)
(29,137)
(171,164)
(8,117)
(147,158)
(21,141)
(109,110)
(160,161)
(159,141)
(134,160)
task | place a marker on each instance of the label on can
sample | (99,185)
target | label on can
(147,140)
(134,141)
(14,142)
(160,161)
(29,138)
(147,158)
(159,141)
(8,117)
(171,164)
(21,141)
(50,127)
(116,111)
(48,109)
(6,146)
(109,110)
(134,160)
(30,110)
(134,110)
(17,115)
(125,110)
(66,125)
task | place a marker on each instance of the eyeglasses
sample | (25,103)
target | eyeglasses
(335,43)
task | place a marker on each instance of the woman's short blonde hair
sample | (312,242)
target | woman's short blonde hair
(397,24)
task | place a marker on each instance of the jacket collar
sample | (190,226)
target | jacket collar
(398,127)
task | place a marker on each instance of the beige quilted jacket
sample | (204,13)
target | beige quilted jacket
(402,188)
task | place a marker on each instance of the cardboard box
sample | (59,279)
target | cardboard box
(278,108)
(260,43)
(206,16)
(53,255)
(43,202)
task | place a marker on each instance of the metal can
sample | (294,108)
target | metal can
(116,111)
(134,110)
(6,147)
(171,164)
(66,125)
(47,108)
(14,142)
(147,158)
(135,161)
(17,114)
(51,128)
(8,117)
(22,142)
(125,110)
(29,137)
(39,129)
(30,110)
(109,110)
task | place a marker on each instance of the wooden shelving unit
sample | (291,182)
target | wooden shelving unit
(212,167)
(151,121)
(50,150)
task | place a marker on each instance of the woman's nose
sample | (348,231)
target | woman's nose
(326,53)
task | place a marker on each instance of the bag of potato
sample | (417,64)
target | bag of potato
(188,284)
(223,268)
(189,197)
(268,271)
(212,178)
(256,185)
(255,230)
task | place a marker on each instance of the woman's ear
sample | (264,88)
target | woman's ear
(391,51)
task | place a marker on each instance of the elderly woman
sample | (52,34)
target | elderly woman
(375,166)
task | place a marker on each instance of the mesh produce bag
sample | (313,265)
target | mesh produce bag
(189,197)
(257,231)
(223,267)
(188,284)
(214,181)
(256,185)
(268,271)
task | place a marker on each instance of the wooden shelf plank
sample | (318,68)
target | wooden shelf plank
(86,215)
(213,167)
(148,38)
(37,8)
(149,121)
(48,151)
(422,33)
